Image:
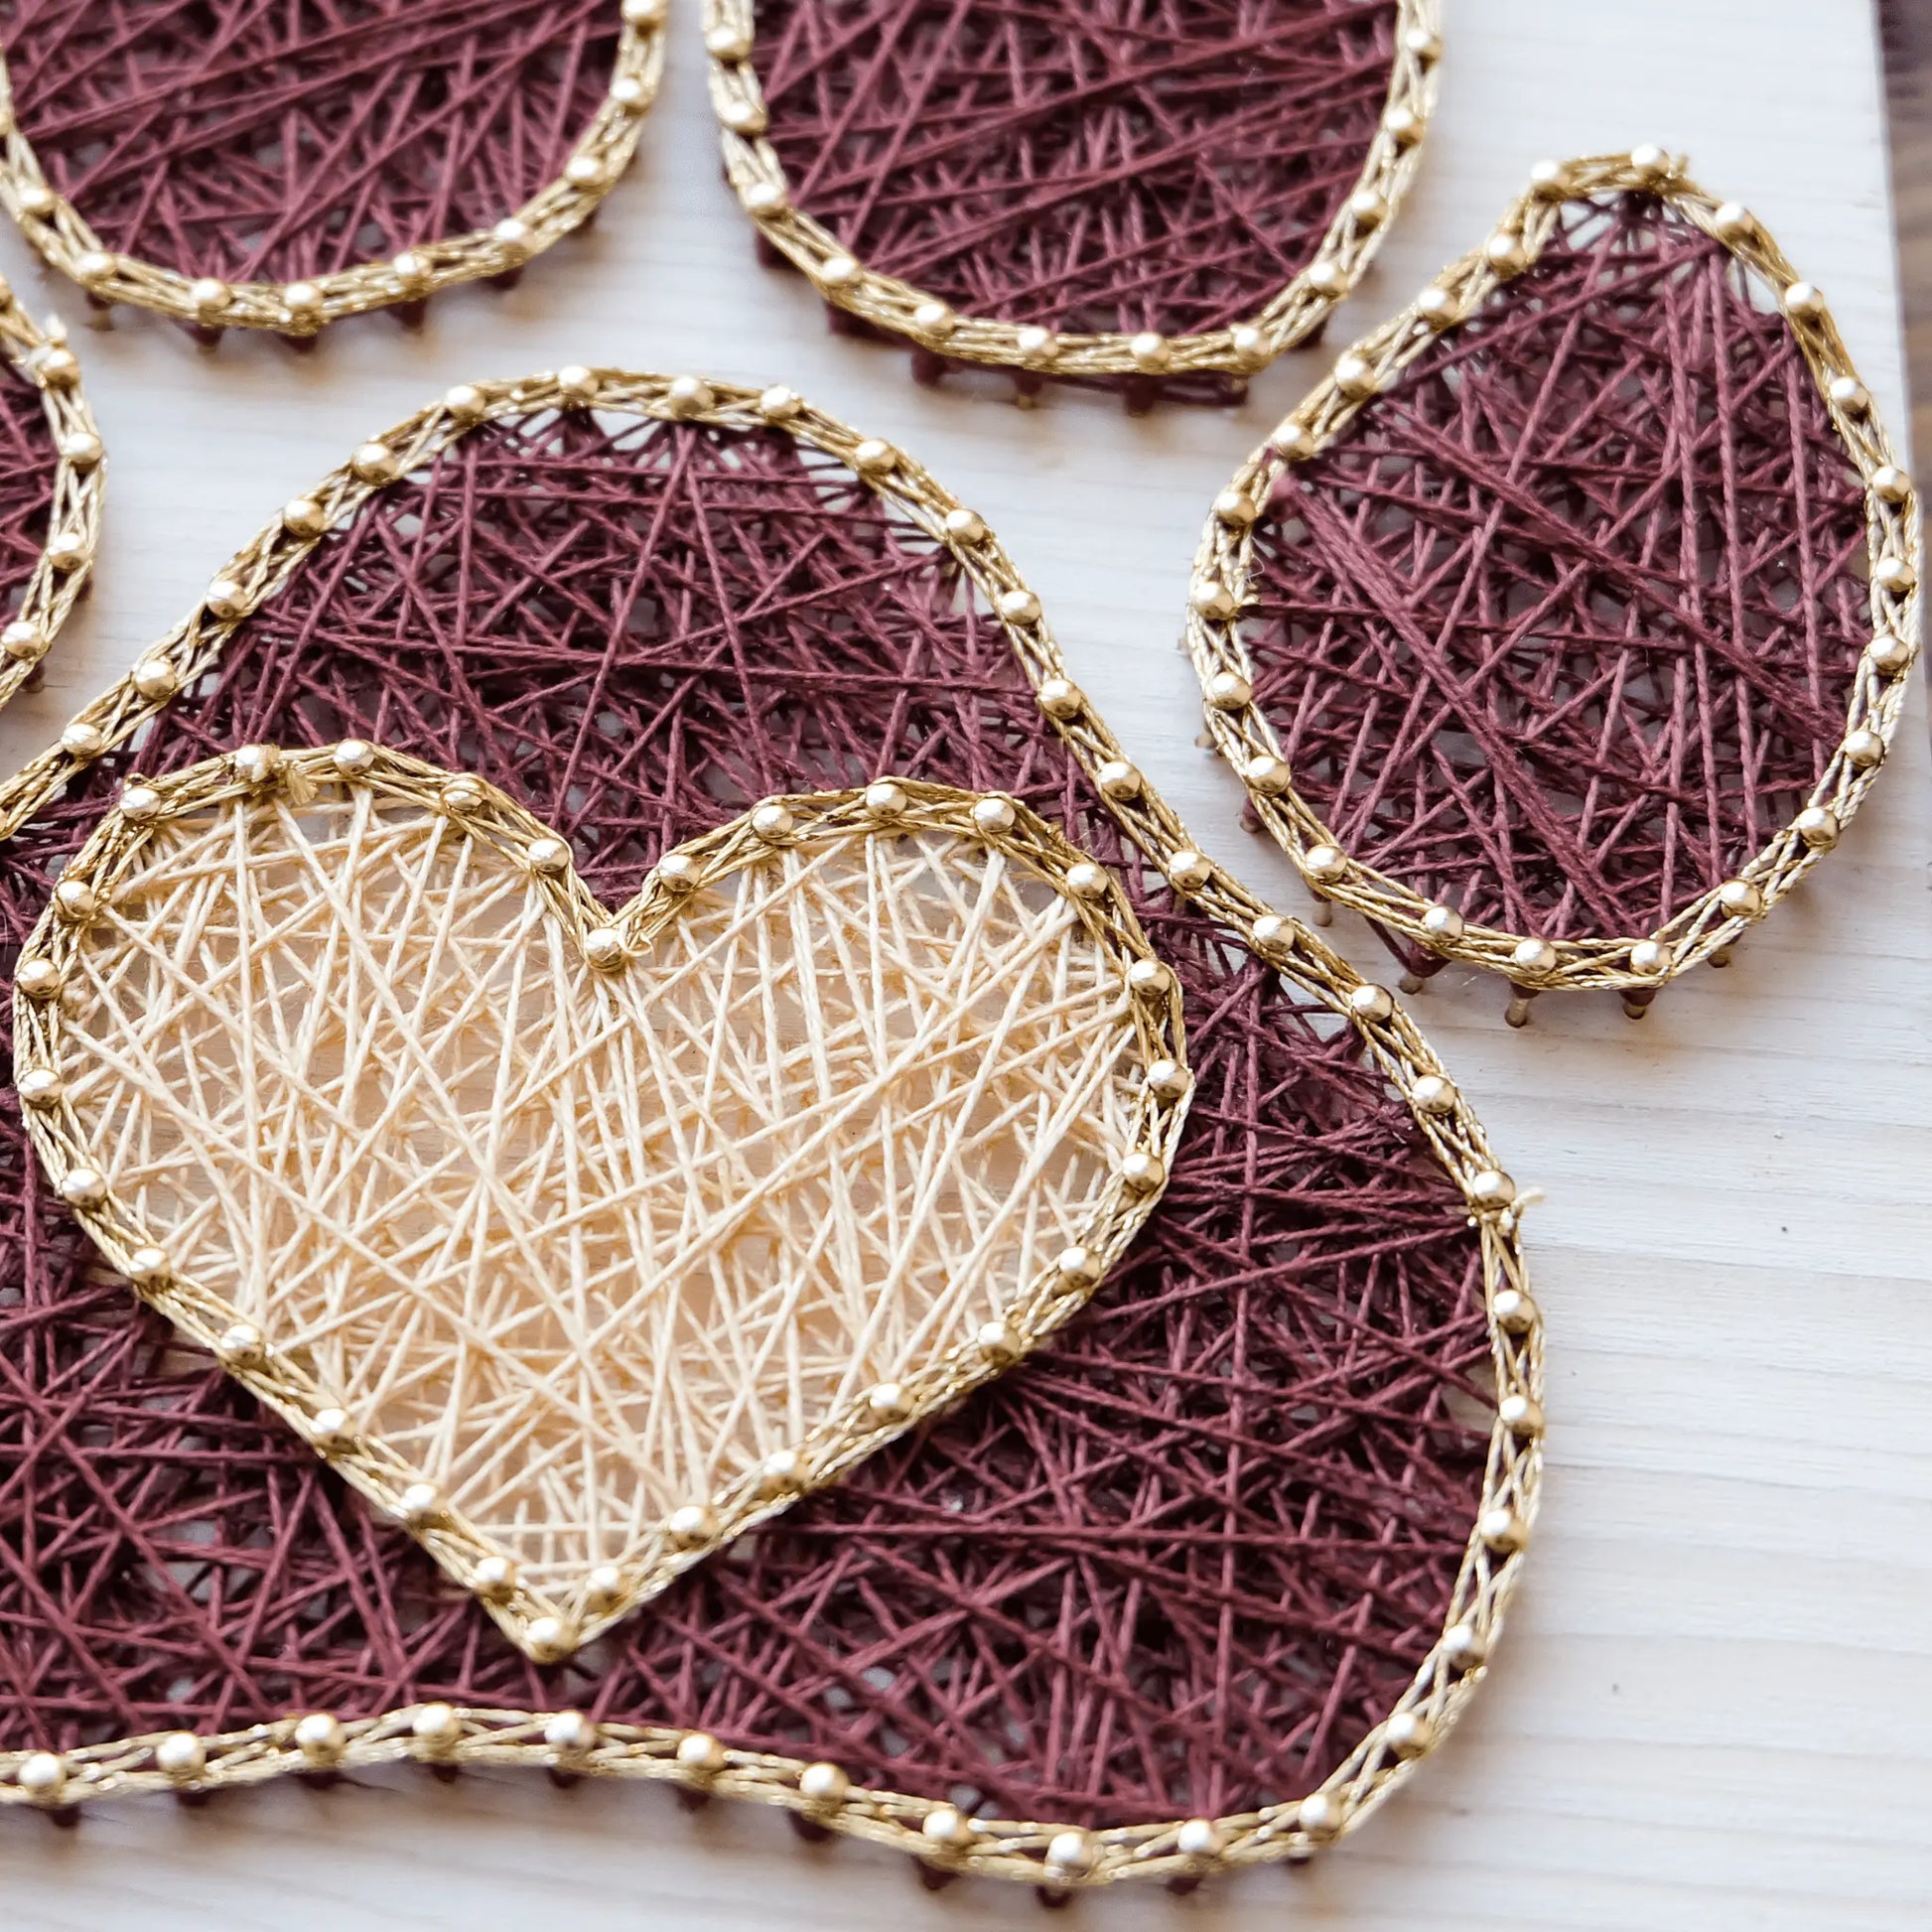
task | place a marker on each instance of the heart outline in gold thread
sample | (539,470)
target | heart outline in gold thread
(456,816)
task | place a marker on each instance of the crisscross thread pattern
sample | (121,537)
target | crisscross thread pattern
(1566,595)
(27,467)
(1086,170)
(1184,1560)
(365,151)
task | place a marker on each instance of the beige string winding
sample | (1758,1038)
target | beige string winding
(582,1242)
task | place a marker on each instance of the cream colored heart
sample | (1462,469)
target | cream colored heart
(581,1241)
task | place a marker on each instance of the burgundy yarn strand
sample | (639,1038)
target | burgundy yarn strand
(28,463)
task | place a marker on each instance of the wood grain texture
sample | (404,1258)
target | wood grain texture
(1709,1711)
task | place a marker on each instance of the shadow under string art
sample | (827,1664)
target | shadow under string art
(1152,1512)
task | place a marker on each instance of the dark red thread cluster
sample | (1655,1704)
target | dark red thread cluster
(1175,1564)
(273,140)
(1105,166)
(1563,628)
(28,461)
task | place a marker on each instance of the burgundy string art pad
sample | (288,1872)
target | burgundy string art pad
(1563,628)
(570,703)
(278,167)
(1166,194)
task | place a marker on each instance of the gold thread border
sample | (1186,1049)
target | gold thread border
(754,170)
(1223,575)
(60,233)
(1293,1829)
(66,560)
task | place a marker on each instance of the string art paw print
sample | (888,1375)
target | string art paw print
(305,164)
(1165,197)
(1565,627)
(1151,1508)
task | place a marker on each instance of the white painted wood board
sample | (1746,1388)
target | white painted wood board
(1713,1710)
